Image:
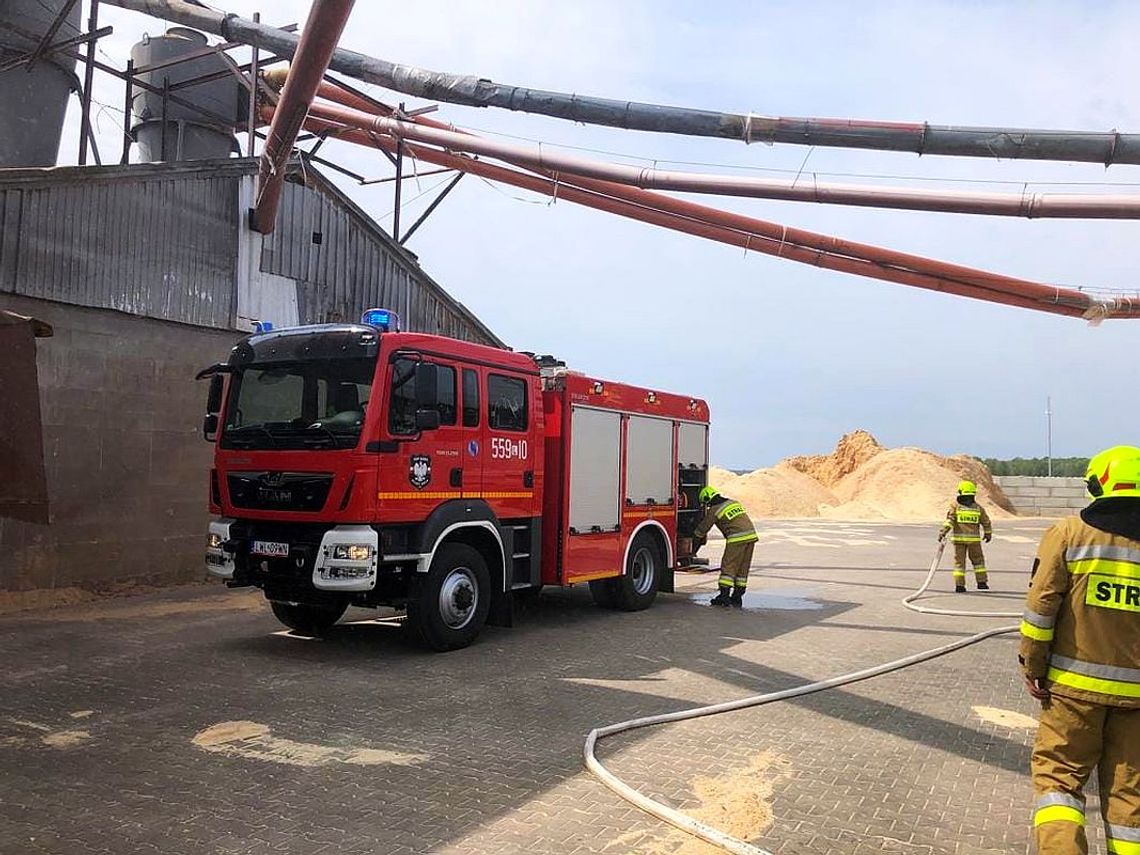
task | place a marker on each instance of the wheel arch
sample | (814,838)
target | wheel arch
(482,536)
(661,535)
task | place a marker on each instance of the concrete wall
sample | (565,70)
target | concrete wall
(1034,496)
(126,465)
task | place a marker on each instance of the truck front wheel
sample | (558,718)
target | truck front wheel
(451,603)
(308,619)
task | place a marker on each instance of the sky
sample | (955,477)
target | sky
(789,356)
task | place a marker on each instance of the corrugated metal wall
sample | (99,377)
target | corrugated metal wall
(152,245)
(344,263)
(161,240)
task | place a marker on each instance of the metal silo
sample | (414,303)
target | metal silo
(33,102)
(167,130)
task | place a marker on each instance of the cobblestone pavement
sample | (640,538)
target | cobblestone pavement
(188,722)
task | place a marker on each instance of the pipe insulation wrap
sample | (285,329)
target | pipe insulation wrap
(920,138)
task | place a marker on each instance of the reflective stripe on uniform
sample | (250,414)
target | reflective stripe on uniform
(1039,620)
(727,580)
(1122,839)
(1108,560)
(747,537)
(965,538)
(1035,633)
(735,508)
(1094,677)
(1037,626)
(1059,807)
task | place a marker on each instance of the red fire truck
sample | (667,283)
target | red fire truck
(359,465)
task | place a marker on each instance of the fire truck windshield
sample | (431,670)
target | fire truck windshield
(317,404)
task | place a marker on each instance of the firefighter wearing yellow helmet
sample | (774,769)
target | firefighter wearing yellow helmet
(1080,653)
(968,525)
(739,540)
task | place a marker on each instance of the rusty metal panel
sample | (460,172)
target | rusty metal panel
(147,241)
(344,263)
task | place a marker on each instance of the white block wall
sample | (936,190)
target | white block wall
(1038,496)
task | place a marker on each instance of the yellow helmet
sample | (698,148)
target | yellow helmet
(1114,473)
(707,494)
(967,488)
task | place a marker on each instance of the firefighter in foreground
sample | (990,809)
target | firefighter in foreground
(1080,653)
(967,523)
(739,540)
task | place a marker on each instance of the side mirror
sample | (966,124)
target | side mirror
(210,427)
(427,419)
(427,386)
(214,396)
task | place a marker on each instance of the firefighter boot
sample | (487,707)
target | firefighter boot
(983,586)
(737,600)
(959,588)
(721,599)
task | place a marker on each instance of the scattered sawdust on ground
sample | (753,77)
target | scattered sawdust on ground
(21,601)
(244,601)
(47,736)
(1005,718)
(55,602)
(737,803)
(861,480)
(31,725)
(254,741)
(82,713)
(1014,538)
(65,738)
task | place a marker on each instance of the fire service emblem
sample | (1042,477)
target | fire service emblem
(419,472)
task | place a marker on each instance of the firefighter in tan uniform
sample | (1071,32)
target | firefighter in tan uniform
(968,524)
(739,540)
(1080,652)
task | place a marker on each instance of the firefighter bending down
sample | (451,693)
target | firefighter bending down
(739,540)
(966,521)
(1080,652)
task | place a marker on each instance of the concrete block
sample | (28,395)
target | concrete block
(1005,481)
(1029,492)
(1077,494)
(1054,502)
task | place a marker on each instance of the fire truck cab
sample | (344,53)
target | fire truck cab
(359,465)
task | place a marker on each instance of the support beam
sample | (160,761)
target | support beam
(431,207)
(88,80)
(315,48)
(82,39)
(42,47)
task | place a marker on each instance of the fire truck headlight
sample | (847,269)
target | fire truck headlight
(352,552)
(214,540)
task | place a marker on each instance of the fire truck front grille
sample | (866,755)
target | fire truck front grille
(279,491)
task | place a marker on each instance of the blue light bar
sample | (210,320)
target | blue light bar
(384,320)
(262,326)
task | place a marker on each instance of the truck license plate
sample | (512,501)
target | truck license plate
(270,548)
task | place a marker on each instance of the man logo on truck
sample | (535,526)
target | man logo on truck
(419,472)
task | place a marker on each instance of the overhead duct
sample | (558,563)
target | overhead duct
(33,99)
(168,130)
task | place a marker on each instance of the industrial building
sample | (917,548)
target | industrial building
(143,274)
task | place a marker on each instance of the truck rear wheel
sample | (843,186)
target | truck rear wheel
(451,603)
(308,619)
(637,589)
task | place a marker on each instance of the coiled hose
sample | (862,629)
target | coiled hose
(706,832)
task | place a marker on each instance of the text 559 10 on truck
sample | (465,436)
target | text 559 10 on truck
(359,465)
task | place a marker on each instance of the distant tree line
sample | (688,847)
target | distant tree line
(1062,466)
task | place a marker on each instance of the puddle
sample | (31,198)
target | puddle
(761,601)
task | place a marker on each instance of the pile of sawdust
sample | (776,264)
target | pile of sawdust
(861,480)
(852,451)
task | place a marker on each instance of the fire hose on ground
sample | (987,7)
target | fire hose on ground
(706,832)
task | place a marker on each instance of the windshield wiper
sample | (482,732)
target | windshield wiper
(329,435)
(229,434)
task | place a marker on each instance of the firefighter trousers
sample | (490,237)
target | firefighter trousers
(1074,737)
(977,561)
(735,564)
